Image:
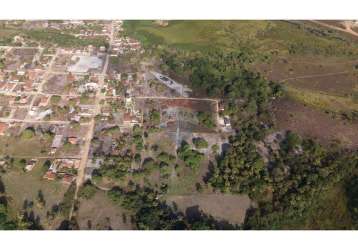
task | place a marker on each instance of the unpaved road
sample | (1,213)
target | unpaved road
(348,28)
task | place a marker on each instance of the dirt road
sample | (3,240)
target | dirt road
(88,138)
(348,28)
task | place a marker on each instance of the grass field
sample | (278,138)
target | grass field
(107,215)
(16,147)
(224,207)
(311,122)
(195,34)
(269,37)
(21,186)
(323,100)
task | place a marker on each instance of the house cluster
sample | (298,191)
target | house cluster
(131,116)
(21,69)
(123,45)
(20,79)
(60,139)
(223,120)
(62,169)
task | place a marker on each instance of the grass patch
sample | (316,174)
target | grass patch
(322,100)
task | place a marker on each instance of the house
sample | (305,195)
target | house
(68,179)
(57,141)
(50,176)
(44,101)
(30,165)
(129,119)
(3,128)
(72,140)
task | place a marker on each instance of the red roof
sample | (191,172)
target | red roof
(49,175)
(3,127)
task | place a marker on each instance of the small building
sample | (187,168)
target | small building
(49,176)
(30,165)
(57,141)
(3,128)
(72,140)
(68,179)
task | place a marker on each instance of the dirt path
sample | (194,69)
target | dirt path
(314,75)
(348,28)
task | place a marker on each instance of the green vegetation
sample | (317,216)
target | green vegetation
(241,170)
(55,99)
(166,158)
(28,133)
(6,223)
(352,194)
(191,157)
(206,119)
(246,95)
(114,167)
(154,117)
(200,143)
(67,202)
(299,171)
(87,191)
(262,39)
(150,213)
(138,137)
(63,39)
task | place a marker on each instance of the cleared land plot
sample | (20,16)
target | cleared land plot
(223,207)
(195,34)
(340,84)
(20,113)
(100,213)
(21,186)
(61,62)
(332,75)
(57,84)
(17,147)
(311,122)
(323,100)
(17,57)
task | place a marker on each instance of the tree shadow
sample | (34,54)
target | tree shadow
(194,214)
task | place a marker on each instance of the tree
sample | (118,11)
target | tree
(191,157)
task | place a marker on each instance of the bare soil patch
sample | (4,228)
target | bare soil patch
(311,122)
(223,207)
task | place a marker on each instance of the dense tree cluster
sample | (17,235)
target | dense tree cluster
(224,74)
(241,169)
(298,174)
(191,157)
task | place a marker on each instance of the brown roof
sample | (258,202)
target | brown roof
(68,178)
(49,175)
(3,127)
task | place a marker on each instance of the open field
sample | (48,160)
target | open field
(312,122)
(223,207)
(100,213)
(322,100)
(13,146)
(23,186)
(194,34)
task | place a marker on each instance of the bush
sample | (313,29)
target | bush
(191,157)
(200,143)
(87,191)
(206,119)
(28,133)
